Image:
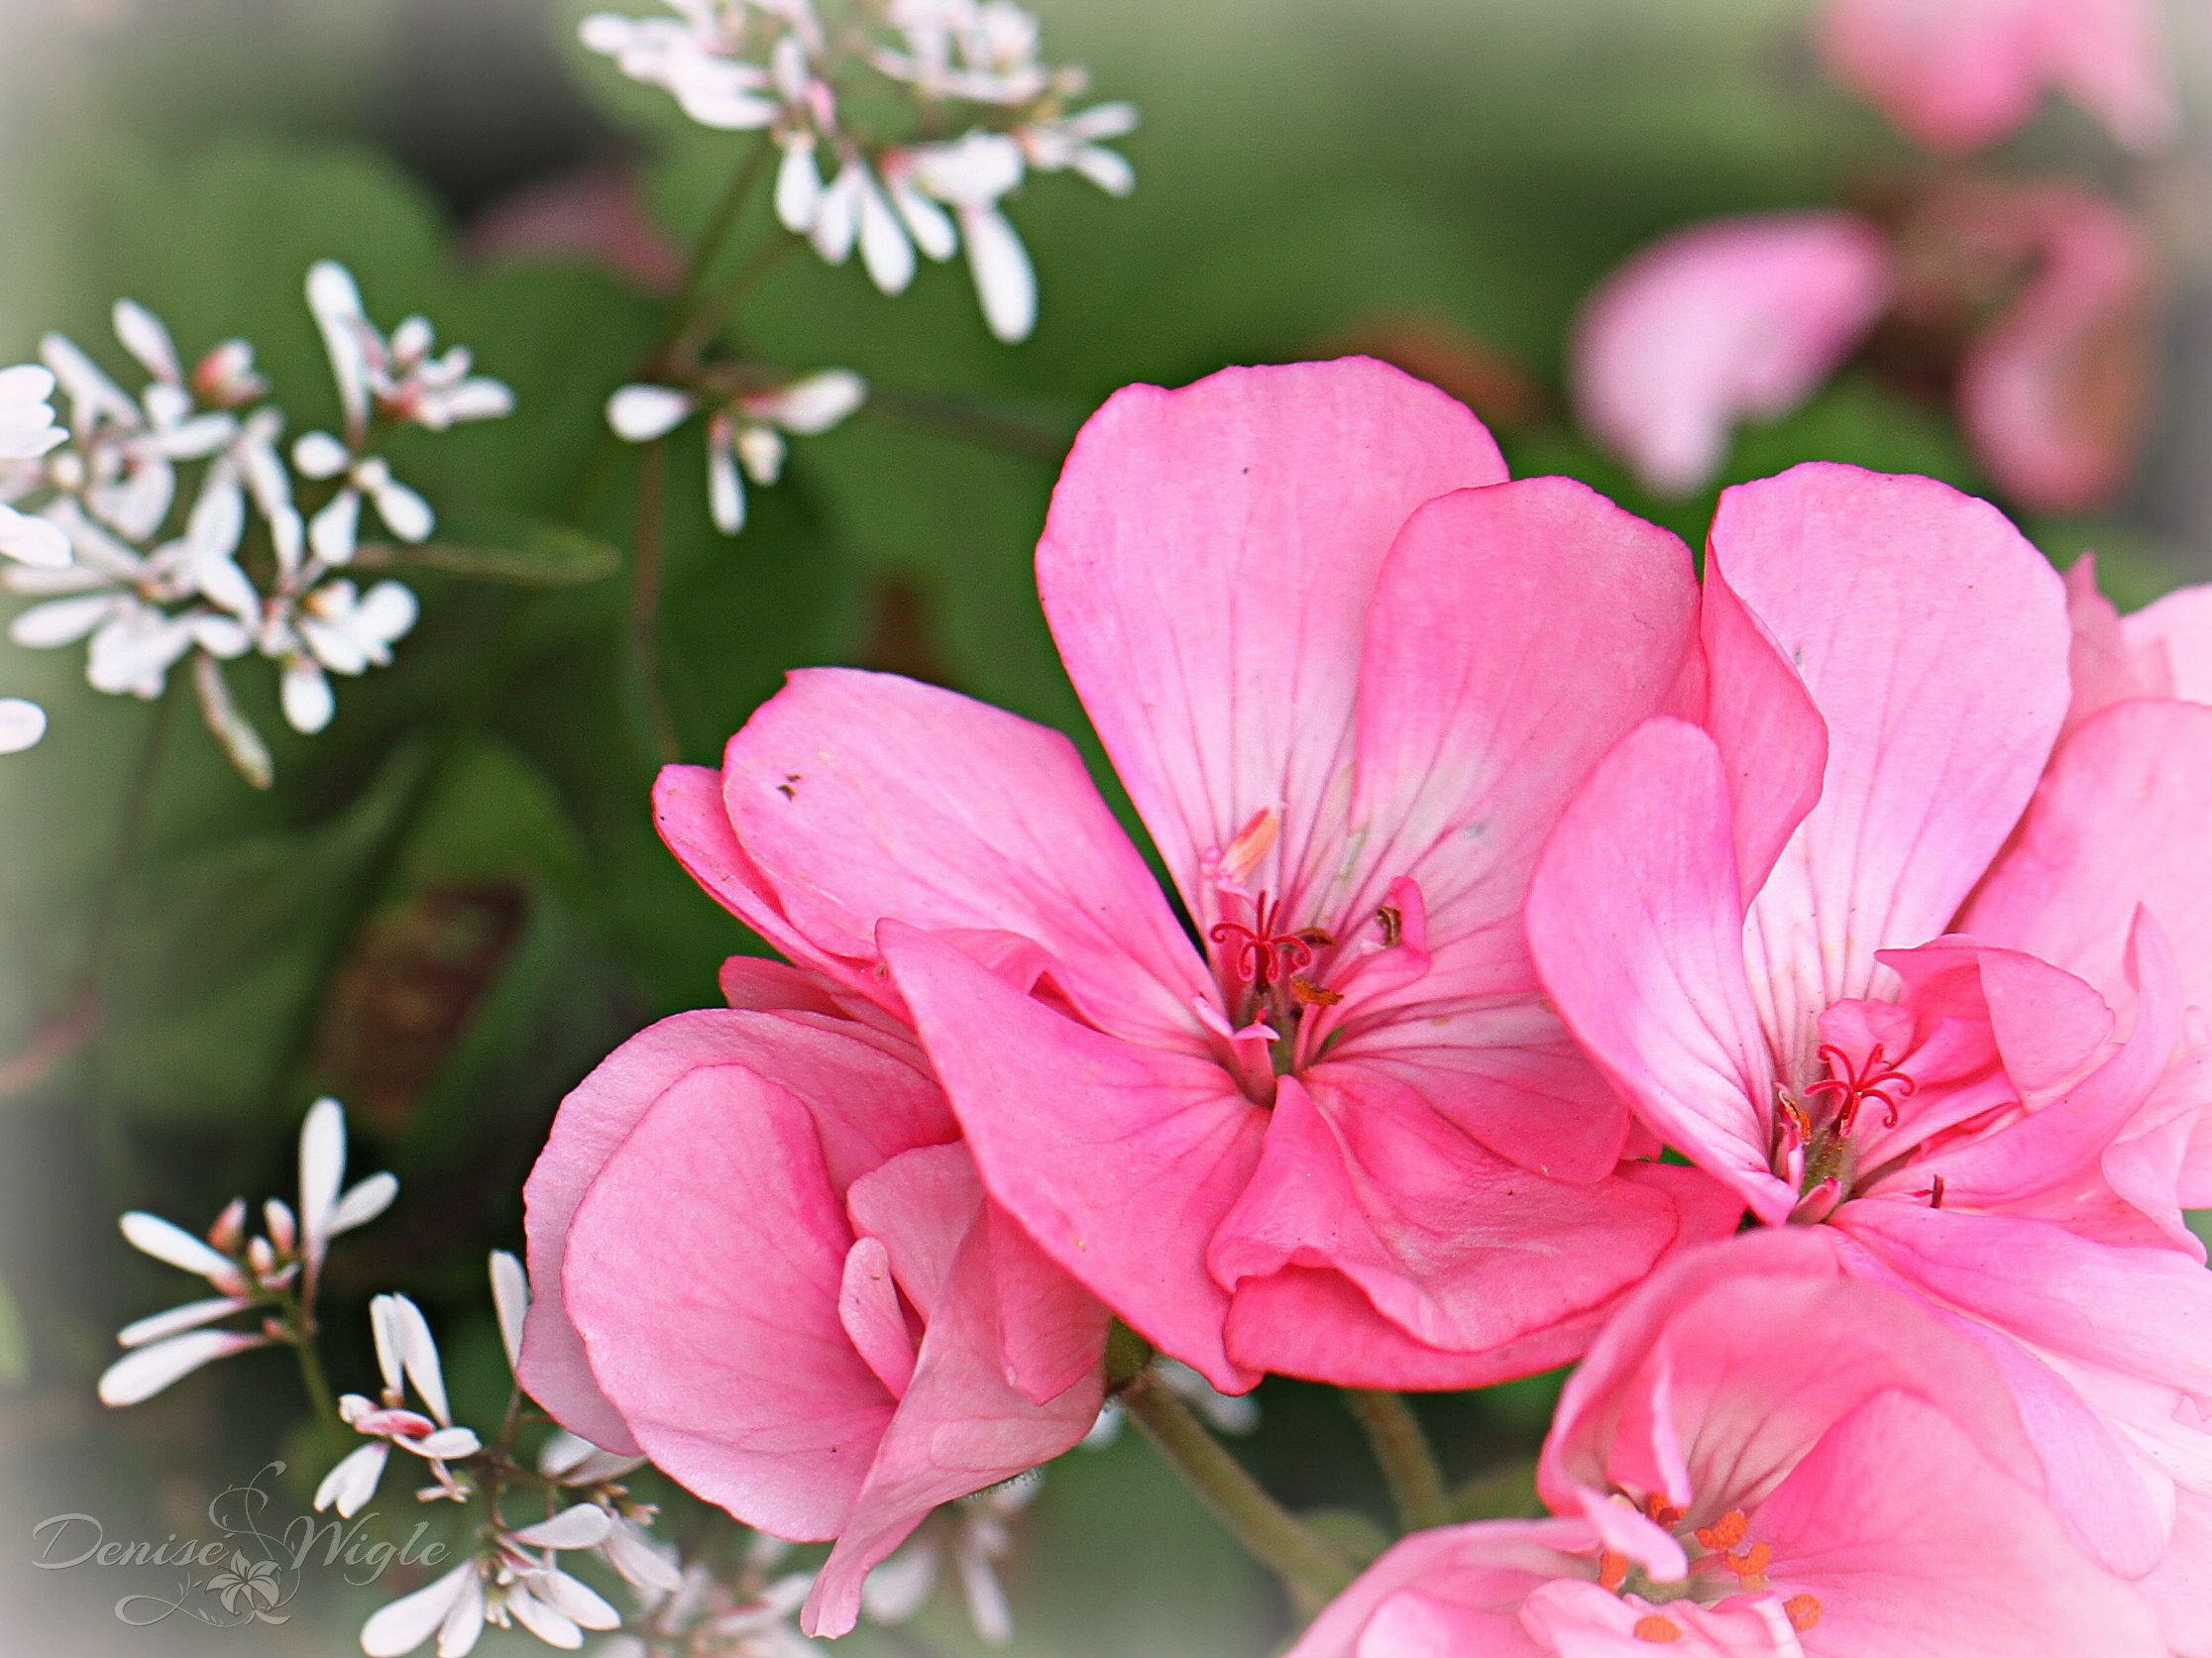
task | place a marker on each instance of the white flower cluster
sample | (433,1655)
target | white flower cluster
(985,111)
(513,1576)
(746,430)
(275,1273)
(121,556)
(27,433)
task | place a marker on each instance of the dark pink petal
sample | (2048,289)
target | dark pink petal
(1636,921)
(1460,1249)
(1518,631)
(1933,639)
(1737,319)
(1207,568)
(861,797)
(2117,823)
(838,1066)
(1919,1543)
(1119,1161)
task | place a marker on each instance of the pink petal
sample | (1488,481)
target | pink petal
(2116,824)
(1207,568)
(703,1272)
(1636,921)
(2178,630)
(1933,639)
(861,797)
(860,1083)
(1456,1247)
(1741,319)
(1517,632)
(1053,1329)
(1118,1159)
(1921,1544)
(2055,392)
(1450,1594)
(2106,665)
(1958,76)
(961,1426)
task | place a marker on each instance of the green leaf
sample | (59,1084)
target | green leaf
(15,1342)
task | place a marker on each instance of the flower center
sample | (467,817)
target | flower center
(1813,1132)
(1724,1561)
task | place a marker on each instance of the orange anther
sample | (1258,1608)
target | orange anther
(1661,1512)
(1661,1631)
(1313,995)
(1753,1561)
(1804,1610)
(1612,1571)
(1725,1532)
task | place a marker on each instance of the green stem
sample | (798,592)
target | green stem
(313,1380)
(968,421)
(644,604)
(1402,1449)
(707,253)
(1272,1535)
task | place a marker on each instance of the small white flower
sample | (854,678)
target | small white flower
(1077,144)
(245,1272)
(971,1536)
(338,629)
(744,435)
(406,1357)
(451,1609)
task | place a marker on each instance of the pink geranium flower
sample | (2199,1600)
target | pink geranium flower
(1762,1459)
(1858,942)
(1959,75)
(763,1259)
(2035,304)
(1347,673)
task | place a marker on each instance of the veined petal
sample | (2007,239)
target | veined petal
(1933,639)
(1207,569)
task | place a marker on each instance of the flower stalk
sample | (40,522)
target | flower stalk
(1309,1567)
(1403,1453)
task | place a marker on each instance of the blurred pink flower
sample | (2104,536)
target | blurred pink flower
(1761,1459)
(2036,304)
(1959,75)
(1749,921)
(1738,318)
(762,1258)
(592,214)
(1346,1139)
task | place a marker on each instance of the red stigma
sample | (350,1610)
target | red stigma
(1262,956)
(1853,1085)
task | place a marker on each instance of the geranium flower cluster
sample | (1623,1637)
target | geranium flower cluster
(1782,991)
(2036,300)
(900,126)
(168,526)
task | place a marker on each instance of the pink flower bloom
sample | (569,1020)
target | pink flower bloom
(2052,392)
(2163,649)
(1734,319)
(1959,75)
(1343,1138)
(1859,943)
(763,1259)
(1745,318)
(1761,1459)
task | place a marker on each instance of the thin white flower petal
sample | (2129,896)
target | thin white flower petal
(726,491)
(22,724)
(335,300)
(364,1202)
(177,1321)
(404,512)
(168,1241)
(511,1298)
(241,743)
(419,1353)
(818,403)
(885,247)
(319,454)
(146,338)
(445,1445)
(60,621)
(464,1625)
(383,1325)
(32,540)
(553,1628)
(335,531)
(409,1621)
(575,1600)
(640,413)
(642,1559)
(349,1487)
(144,1372)
(798,185)
(1005,280)
(306,696)
(582,1526)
